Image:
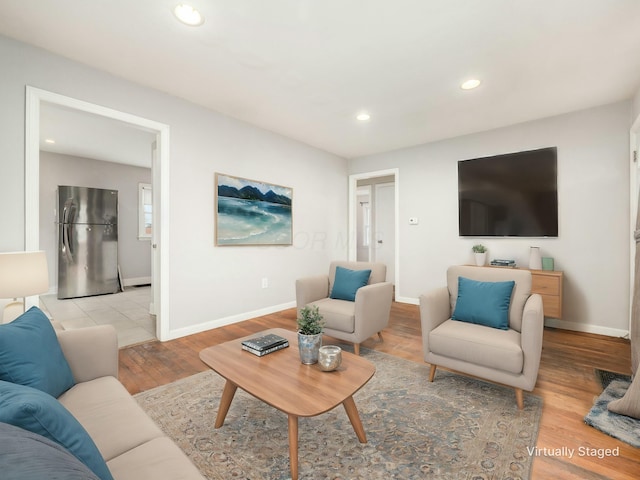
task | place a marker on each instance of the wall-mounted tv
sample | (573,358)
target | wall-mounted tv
(511,195)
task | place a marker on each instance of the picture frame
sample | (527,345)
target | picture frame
(252,212)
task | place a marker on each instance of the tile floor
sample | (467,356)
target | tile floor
(127,311)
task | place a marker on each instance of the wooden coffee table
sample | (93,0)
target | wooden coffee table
(280,380)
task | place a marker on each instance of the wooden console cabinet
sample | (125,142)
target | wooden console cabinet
(548,283)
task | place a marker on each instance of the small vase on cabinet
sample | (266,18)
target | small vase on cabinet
(535,259)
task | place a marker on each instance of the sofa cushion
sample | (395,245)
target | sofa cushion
(110,414)
(479,345)
(40,413)
(484,303)
(28,456)
(158,458)
(347,282)
(31,355)
(337,314)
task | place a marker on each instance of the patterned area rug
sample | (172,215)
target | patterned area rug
(454,428)
(618,426)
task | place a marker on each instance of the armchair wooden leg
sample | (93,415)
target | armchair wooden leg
(432,372)
(380,337)
(356,348)
(519,398)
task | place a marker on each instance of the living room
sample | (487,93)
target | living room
(206,286)
(593,190)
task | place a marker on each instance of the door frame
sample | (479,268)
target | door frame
(353,221)
(34,98)
(634,166)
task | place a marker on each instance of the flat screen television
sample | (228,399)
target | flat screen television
(511,195)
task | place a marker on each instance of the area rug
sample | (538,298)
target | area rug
(454,428)
(618,426)
(605,377)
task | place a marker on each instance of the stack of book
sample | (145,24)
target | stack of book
(265,344)
(503,263)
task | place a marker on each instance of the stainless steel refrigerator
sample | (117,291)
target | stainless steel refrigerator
(87,241)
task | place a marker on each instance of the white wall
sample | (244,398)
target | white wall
(593,194)
(134,255)
(209,285)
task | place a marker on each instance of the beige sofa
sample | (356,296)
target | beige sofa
(345,320)
(133,447)
(509,357)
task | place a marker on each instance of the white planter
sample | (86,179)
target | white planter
(481,259)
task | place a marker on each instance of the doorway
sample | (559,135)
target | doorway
(160,174)
(373,220)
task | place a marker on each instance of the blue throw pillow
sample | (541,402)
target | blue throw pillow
(483,303)
(31,355)
(40,413)
(347,282)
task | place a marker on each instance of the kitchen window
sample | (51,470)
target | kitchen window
(145,211)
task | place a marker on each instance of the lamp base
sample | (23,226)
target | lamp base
(12,311)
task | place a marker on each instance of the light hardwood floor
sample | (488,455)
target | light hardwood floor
(566,383)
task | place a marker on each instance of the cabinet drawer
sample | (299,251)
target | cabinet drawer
(544,284)
(551,306)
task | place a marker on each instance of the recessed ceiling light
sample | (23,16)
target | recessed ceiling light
(470,84)
(188,15)
(363,116)
(49,140)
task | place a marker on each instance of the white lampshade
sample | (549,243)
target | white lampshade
(23,274)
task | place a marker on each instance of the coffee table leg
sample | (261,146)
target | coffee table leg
(354,417)
(225,402)
(293,446)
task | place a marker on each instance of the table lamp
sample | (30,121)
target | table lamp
(21,274)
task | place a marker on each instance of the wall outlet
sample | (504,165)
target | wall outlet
(265,282)
(413,220)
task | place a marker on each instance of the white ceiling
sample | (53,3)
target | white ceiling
(304,68)
(88,135)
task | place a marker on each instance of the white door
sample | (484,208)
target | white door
(384,246)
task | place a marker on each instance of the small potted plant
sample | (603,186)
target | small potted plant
(310,327)
(480,252)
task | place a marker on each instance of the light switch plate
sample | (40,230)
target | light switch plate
(413,220)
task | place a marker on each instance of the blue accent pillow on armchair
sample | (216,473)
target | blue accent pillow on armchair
(483,303)
(31,355)
(347,282)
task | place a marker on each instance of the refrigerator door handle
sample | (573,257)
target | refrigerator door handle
(65,212)
(66,242)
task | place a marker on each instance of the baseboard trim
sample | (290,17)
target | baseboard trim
(221,322)
(131,282)
(409,300)
(585,328)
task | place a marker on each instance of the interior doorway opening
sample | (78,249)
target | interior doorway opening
(373,220)
(36,98)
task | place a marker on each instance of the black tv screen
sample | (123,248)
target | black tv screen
(511,195)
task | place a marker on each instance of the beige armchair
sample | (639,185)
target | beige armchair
(509,357)
(346,320)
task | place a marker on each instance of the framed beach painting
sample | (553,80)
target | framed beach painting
(249,212)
